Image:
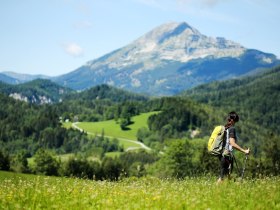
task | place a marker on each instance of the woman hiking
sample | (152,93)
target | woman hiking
(226,159)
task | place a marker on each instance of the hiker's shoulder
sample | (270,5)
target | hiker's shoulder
(232,128)
(232,132)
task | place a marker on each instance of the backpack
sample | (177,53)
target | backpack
(216,141)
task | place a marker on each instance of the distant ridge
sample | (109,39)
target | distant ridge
(38,91)
(21,78)
(7,79)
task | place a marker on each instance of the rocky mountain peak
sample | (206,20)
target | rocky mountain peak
(168,59)
(167,31)
(178,42)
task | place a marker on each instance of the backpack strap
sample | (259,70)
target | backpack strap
(227,151)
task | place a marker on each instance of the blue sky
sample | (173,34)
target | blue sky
(54,37)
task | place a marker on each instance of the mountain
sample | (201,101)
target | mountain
(17,78)
(7,79)
(171,58)
(38,91)
(255,97)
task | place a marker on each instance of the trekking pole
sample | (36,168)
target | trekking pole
(244,167)
(236,165)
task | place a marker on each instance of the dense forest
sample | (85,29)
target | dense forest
(178,134)
(257,97)
(39,91)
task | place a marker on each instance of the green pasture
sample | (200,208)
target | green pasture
(20,191)
(113,129)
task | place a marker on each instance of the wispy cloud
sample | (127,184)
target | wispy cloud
(73,49)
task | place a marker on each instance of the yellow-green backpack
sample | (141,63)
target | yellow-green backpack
(216,141)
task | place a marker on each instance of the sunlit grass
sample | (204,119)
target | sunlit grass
(113,154)
(112,128)
(38,192)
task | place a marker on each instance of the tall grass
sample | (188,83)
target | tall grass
(38,192)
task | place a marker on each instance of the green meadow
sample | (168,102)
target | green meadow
(113,129)
(21,191)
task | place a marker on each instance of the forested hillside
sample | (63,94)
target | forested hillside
(38,91)
(107,92)
(102,102)
(29,127)
(256,98)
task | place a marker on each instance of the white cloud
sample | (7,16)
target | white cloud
(73,49)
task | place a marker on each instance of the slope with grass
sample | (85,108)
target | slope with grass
(20,191)
(112,129)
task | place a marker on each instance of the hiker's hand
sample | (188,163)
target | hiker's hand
(247,151)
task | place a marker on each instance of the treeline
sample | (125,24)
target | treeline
(182,158)
(47,163)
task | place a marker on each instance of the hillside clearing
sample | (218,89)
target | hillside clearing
(111,129)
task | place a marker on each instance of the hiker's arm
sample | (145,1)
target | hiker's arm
(236,146)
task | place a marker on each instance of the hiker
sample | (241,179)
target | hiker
(226,158)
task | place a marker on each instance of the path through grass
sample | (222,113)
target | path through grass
(112,129)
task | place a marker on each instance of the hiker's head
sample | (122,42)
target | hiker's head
(232,118)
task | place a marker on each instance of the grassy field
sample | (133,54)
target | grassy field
(112,128)
(20,191)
